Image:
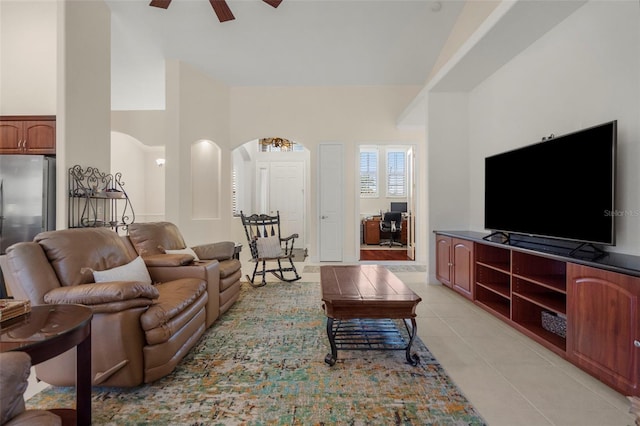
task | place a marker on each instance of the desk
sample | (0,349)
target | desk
(373,235)
(48,331)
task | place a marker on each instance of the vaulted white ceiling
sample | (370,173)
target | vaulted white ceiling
(301,43)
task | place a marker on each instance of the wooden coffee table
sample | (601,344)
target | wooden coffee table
(361,303)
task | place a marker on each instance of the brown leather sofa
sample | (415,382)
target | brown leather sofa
(152,240)
(140,330)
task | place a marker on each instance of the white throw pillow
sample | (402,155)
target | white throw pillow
(135,270)
(269,247)
(187,250)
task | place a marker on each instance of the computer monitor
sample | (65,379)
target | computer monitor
(399,207)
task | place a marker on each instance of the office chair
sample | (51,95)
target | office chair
(391,222)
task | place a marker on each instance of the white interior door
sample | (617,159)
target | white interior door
(411,204)
(286,195)
(330,202)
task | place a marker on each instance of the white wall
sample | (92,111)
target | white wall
(448,175)
(54,60)
(28,61)
(149,127)
(583,72)
(146,131)
(142,179)
(197,109)
(311,115)
(83,96)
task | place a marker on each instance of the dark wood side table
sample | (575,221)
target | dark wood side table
(48,331)
(236,251)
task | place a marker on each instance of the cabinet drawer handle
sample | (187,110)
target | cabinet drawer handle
(636,343)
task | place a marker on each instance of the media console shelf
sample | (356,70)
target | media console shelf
(493,280)
(539,285)
(587,311)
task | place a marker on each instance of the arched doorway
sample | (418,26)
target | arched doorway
(270,177)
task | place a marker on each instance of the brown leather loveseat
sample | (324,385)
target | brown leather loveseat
(159,242)
(141,328)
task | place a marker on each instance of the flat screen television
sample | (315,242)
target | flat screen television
(562,187)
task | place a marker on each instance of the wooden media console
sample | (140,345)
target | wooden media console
(585,310)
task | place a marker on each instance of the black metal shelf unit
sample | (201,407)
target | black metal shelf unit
(98,199)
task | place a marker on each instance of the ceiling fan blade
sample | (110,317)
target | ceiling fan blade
(274,3)
(222,10)
(160,3)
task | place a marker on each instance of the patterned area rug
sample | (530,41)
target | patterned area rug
(262,363)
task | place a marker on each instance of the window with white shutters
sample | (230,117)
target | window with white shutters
(396,173)
(368,173)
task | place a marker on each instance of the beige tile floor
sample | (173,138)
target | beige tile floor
(508,377)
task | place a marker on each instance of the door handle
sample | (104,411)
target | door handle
(636,343)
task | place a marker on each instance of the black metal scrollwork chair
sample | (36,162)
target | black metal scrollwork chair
(267,245)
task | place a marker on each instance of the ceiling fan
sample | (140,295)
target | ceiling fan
(219,6)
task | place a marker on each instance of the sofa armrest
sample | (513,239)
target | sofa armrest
(208,270)
(168,260)
(32,276)
(122,294)
(219,251)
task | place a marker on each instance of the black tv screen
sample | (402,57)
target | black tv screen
(561,188)
(396,206)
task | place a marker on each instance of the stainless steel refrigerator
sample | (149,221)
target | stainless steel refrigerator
(27,199)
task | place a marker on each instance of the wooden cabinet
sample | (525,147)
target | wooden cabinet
(454,266)
(604,325)
(463,262)
(372,232)
(587,313)
(27,135)
(444,261)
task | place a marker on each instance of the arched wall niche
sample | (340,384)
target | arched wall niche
(144,179)
(205,179)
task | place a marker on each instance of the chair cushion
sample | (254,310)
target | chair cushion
(229,267)
(187,250)
(155,237)
(74,253)
(219,251)
(175,297)
(135,270)
(269,247)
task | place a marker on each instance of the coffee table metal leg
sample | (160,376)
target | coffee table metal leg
(412,359)
(333,356)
